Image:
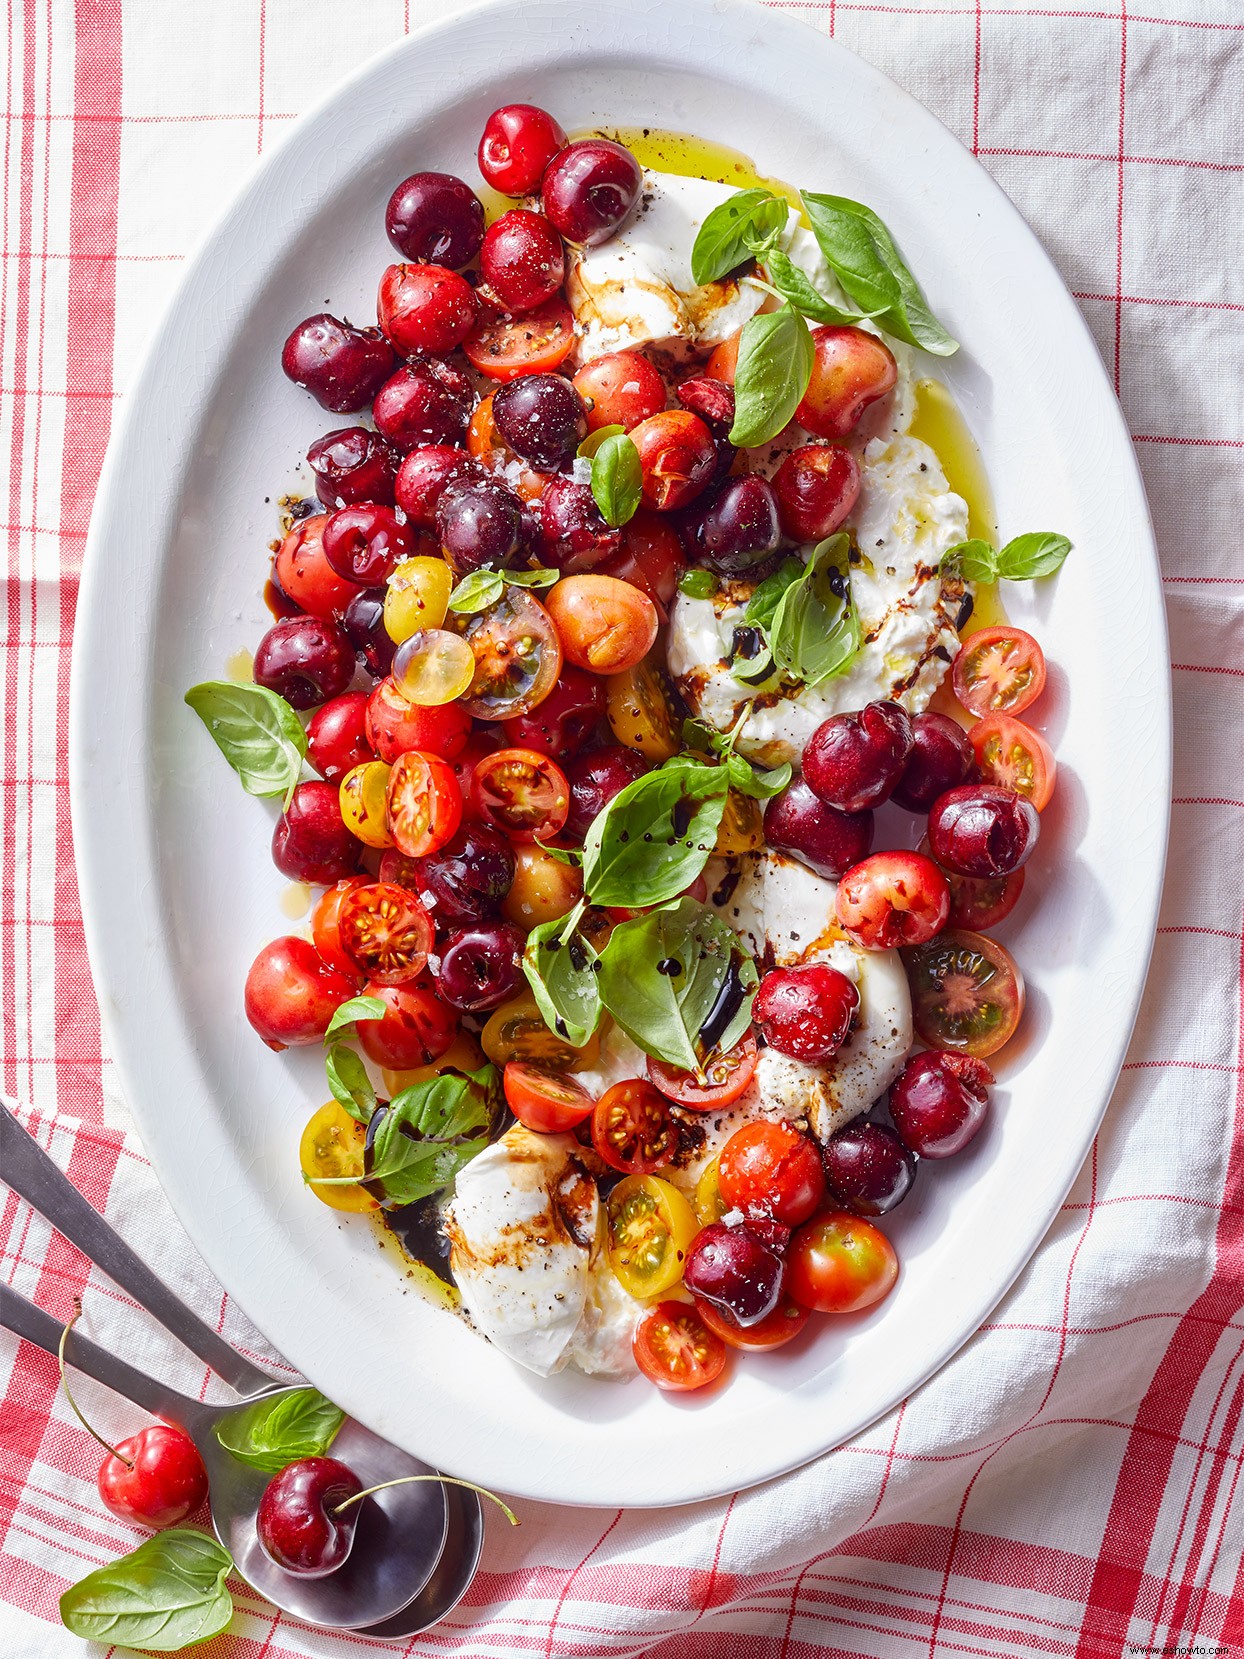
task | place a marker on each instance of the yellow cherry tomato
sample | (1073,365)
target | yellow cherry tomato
(651,1226)
(639,706)
(364,798)
(542,890)
(742,826)
(516,1031)
(332,1146)
(417,597)
(433,667)
(463,1054)
(707,1201)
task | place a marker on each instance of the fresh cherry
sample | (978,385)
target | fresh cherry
(853,761)
(939,1102)
(482,965)
(427,402)
(589,188)
(733,1269)
(424,474)
(941,758)
(296,1520)
(292,993)
(826,840)
(541,417)
(310,842)
(363,621)
(806,1011)
(425,308)
(816,488)
(166,1483)
(480,523)
(353,464)
(522,261)
(981,830)
(337,736)
(435,217)
(342,367)
(518,143)
(868,1168)
(595,778)
(573,533)
(739,528)
(364,542)
(467,879)
(305,659)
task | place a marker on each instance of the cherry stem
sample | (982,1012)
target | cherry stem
(445,1480)
(73,1404)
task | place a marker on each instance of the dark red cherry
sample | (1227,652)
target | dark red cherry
(481,965)
(853,761)
(363,621)
(826,840)
(426,402)
(561,723)
(305,659)
(342,367)
(522,261)
(573,533)
(733,1269)
(337,736)
(310,842)
(868,1168)
(364,542)
(982,830)
(518,143)
(939,1102)
(467,879)
(353,464)
(941,758)
(435,217)
(589,188)
(595,778)
(541,417)
(424,474)
(297,1520)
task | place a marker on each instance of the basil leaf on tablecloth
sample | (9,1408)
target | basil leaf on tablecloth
(348,1082)
(656,835)
(430,1132)
(163,1596)
(771,375)
(815,632)
(356,1008)
(863,255)
(617,479)
(256,731)
(558,963)
(730,234)
(280,1430)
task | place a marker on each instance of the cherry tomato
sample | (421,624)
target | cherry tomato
(566,718)
(652,558)
(534,344)
(639,705)
(770,1169)
(425,308)
(892,898)
(425,804)
(549,1102)
(632,1128)
(521,792)
(395,726)
(678,456)
(336,736)
(605,625)
(433,667)
(620,389)
(385,932)
(998,671)
(726,1077)
(1014,756)
(967,994)
(304,574)
(517,1031)
(417,596)
(742,827)
(292,993)
(851,368)
(707,1201)
(478,745)
(543,888)
(776,1329)
(324,918)
(157,1480)
(363,797)
(675,1349)
(486,444)
(840,1263)
(463,1055)
(416,1028)
(331,1147)
(651,1226)
(518,657)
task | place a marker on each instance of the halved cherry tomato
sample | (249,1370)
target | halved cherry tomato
(532,344)
(675,1349)
(385,932)
(425,803)
(998,671)
(651,1226)
(331,1149)
(725,1077)
(652,558)
(742,828)
(324,917)
(543,888)
(416,1028)
(363,796)
(967,994)
(632,1128)
(1013,755)
(518,657)
(516,1031)
(639,706)
(770,1169)
(982,902)
(521,792)
(707,1201)
(549,1102)
(840,1263)
(773,1331)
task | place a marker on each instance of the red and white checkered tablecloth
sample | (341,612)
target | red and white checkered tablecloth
(1069,1484)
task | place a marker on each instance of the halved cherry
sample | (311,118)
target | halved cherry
(967,993)
(549,1102)
(425,803)
(773,1331)
(632,1128)
(324,919)
(503,348)
(725,1077)
(1013,755)
(998,671)
(675,1349)
(518,657)
(385,932)
(521,792)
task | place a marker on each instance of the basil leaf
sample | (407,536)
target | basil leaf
(617,479)
(760,785)
(431,1131)
(815,632)
(349,1084)
(795,285)
(864,257)
(560,968)
(698,584)
(662,976)
(764,602)
(477,591)
(255,730)
(725,239)
(656,835)
(593,441)
(771,375)
(974,560)
(165,1595)
(562,855)
(277,1431)
(1039,553)
(357,1008)
(538,578)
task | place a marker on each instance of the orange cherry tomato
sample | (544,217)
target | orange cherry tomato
(724,360)
(725,1077)
(632,1128)
(998,671)
(967,993)
(604,624)
(486,444)
(385,932)
(675,1349)
(532,344)
(518,657)
(548,1102)
(840,1263)
(425,803)
(1012,754)
(324,918)
(776,1329)
(304,574)
(522,793)
(770,1169)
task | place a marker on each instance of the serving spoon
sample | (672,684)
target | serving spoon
(416,1547)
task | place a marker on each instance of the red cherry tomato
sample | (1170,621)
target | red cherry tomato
(533,344)
(675,1349)
(678,456)
(518,142)
(632,1128)
(967,994)
(770,1169)
(563,722)
(166,1483)
(851,368)
(292,993)
(840,1263)
(773,1331)
(725,1077)
(394,726)
(620,389)
(385,932)
(521,792)
(549,1102)
(1014,756)
(651,559)
(893,898)
(337,736)
(324,919)
(416,1027)
(424,804)
(998,671)
(304,574)
(479,746)
(425,308)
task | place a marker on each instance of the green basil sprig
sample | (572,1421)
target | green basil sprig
(772,374)
(1024,559)
(617,479)
(794,284)
(348,1082)
(349,1012)
(429,1133)
(742,775)
(271,1433)
(733,231)
(862,254)
(698,583)
(815,632)
(560,966)
(256,731)
(165,1595)
(593,441)
(655,836)
(483,588)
